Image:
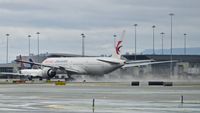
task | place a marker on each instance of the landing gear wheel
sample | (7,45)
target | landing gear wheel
(48,79)
(30,78)
(69,79)
(40,78)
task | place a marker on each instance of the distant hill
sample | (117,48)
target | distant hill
(177,51)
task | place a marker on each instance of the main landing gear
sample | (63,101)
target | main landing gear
(69,78)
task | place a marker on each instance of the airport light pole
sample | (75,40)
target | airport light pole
(29,45)
(135,25)
(153,39)
(162,33)
(7,35)
(38,44)
(185,43)
(171,15)
(83,45)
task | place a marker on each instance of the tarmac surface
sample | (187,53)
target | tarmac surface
(109,98)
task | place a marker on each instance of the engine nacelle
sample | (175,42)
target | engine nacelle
(49,73)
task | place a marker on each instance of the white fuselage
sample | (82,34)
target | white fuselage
(87,65)
(31,72)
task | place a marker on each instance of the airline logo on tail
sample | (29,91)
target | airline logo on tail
(119,44)
(118,47)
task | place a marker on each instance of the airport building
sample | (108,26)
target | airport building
(184,65)
(10,67)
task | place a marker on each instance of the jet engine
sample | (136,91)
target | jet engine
(49,73)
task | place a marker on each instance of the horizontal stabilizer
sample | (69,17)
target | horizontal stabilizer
(107,60)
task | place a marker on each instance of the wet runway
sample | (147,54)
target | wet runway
(109,98)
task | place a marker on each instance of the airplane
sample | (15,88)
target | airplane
(93,66)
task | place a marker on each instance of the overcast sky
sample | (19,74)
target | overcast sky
(61,23)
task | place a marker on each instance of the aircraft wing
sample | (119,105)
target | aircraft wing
(145,63)
(67,68)
(34,63)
